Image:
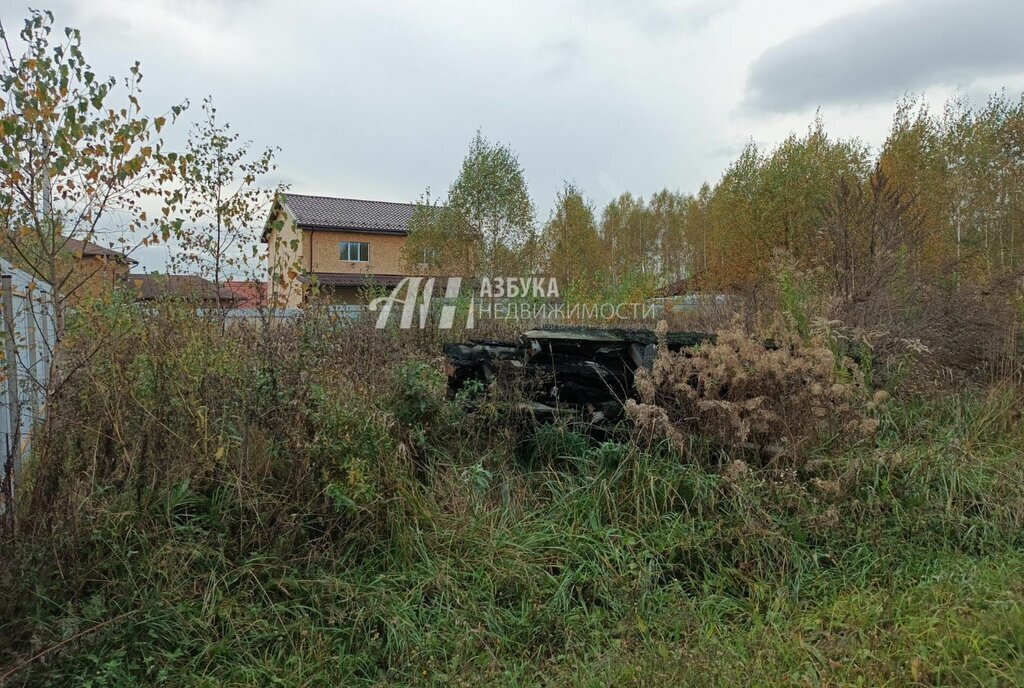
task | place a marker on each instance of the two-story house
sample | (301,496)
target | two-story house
(342,245)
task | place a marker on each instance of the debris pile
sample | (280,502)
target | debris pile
(585,370)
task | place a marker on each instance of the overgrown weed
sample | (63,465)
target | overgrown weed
(304,504)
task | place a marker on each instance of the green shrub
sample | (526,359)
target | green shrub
(255,509)
(352,445)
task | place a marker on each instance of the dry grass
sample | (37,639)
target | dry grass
(303,505)
(742,394)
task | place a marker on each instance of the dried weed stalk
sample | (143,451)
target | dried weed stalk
(743,395)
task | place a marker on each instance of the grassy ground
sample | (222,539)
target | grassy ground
(399,541)
(957,621)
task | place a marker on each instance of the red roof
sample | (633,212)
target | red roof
(248,294)
(149,287)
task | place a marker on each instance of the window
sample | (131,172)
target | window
(355,251)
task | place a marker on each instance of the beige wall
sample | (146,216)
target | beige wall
(80,277)
(319,251)
(385,253)
(94,276)
(285,262)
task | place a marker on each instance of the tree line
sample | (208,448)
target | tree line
(940,201)
(943,198)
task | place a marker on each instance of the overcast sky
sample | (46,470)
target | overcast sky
(379,99)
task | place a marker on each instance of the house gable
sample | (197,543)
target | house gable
(344,242)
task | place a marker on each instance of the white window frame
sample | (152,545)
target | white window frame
(362,251)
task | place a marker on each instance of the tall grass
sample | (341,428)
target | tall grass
(304,505)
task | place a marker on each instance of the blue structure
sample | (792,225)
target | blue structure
(28,328)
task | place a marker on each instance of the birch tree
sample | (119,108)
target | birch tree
(78,158)
(486,225)
(222,204)
(574,253)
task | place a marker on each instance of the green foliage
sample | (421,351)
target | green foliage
(219,207)
(421,408)
(419,394)
(630,287)
(645,239)
(303,504)
(486,224)
(308,523)
(71,157)
(351,443)
(799,301)
(556,445)
(572,246)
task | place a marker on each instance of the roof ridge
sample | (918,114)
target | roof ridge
(346,198)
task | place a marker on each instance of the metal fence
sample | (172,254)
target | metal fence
(27,325)
(343,311)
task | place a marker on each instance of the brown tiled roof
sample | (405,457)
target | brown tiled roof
(149,287)
(88,248)
(341,214)
(331,279)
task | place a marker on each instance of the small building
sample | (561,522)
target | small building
(342,246)
(193,289)
(29,336)
(248,293)
(84,269)
(95,270)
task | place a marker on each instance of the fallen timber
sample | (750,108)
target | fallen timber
(586,371)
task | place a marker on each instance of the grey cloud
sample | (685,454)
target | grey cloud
(881,53)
